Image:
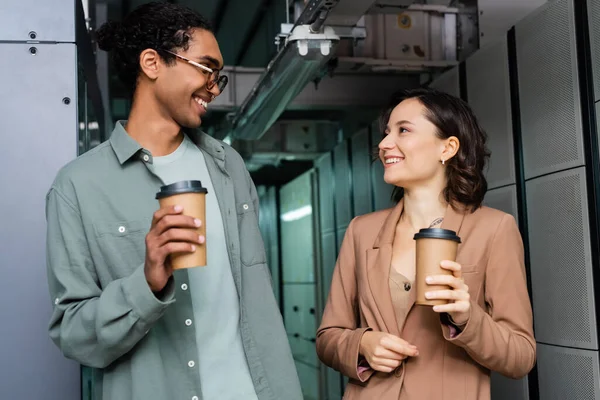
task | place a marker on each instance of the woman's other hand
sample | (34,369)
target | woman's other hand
(385,352)
(459,304)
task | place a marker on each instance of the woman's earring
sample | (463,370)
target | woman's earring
(443,161)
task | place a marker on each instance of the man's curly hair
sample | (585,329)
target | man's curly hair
(156,25)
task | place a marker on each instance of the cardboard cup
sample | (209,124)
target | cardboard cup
(191,195)
(433,246)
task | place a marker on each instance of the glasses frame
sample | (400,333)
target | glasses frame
(218,79)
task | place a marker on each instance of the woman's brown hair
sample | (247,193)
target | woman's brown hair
(452,117)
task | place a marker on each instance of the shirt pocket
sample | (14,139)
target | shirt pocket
(122,244)
(252,247)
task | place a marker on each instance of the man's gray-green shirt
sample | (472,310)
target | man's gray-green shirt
(99,210)
(221,357)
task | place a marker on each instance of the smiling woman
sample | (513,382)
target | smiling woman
(373,330)
(430,115)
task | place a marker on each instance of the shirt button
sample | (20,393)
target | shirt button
(121,229)
(56,301)
(146,157)
(184,286)
(191,364)
(195,398)
(188,322)
(245,206)
(406,286)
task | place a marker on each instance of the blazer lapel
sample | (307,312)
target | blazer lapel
(453,219)
(379,260)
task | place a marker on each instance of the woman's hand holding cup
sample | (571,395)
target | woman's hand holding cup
(457,295)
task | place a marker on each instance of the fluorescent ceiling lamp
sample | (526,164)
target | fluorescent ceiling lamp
(297,214)
(299,62)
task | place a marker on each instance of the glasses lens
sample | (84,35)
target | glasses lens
(222,82)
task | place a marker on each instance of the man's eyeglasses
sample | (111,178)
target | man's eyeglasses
(215,78)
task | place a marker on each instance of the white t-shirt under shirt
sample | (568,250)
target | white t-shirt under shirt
(224,372)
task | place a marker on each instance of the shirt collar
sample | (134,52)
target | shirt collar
(123,145)
(126,147)
(207,143)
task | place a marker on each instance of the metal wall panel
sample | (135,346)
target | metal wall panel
(568,373)
(497,17)
(549,90)
(382,192)
(297,230)
(328,252)
(328,257)
(339,237)
(334,387)
(269,230)
(324,167)
(489,96)
(503,199)
(561,265)
(39,136)
(50,21)
(308,376)
(503,388)
(343,188)
(361,173)
(274,264)
(300,322)
(594,21)
(448,82)
(598,120)
(328,248)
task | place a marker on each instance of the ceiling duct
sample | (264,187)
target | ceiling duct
(300,61)
(289,140)
(310,43)
(396,6)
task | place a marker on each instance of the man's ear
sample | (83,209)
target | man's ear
(150,63)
